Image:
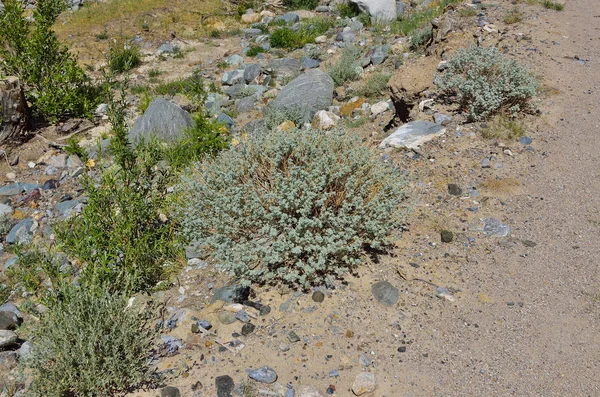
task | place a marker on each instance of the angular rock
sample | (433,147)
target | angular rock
(442,119)
(13,110)
(413,134)
(380,10)
(232,294)
(245,105)
(494,227)
(289,17)
(264,374)
(7,338)
(224,385)
(234,60)
(8,321)
(252,17)
(233,77)
(365,382)
(162,119)
(309,63)
(25,350)
(308,93)
(385,293)
(251,72)
(379,107)
(17,188)
(325,120)
(22,232)
(170,391)
(285,68)
(226,318)
(5,210)
(10,307)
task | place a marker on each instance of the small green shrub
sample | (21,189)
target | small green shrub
(420,38)
(89,344)
(125,236)
(503,128)
(275,116)
(152,73)
(298,207)
(74,148)
(553,5)
(419,19)
(513,16)
(286,37)
(215,34)
(301,4)
(192,87)
(487,82)
(123,56)
(346,68)
(375,85)
(255,50)
(56,86)
(313,51)
(102,35)
(347,9)
(467,12)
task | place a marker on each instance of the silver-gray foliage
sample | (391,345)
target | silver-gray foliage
(486,82)
(298,207)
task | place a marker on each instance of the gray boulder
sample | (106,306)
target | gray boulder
(251,72)
(245,105)
(285,67)
(308,93)
(22,232)
(380,10)
(162,119)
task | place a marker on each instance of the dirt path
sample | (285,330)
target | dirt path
(537,331)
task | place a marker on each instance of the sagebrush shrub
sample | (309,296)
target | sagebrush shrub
(298,207)
(487,82)
(346,68)
(55,84)
(89,344)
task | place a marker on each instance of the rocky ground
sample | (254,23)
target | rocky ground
(493,286)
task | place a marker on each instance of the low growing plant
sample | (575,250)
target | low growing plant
(553,5)
(123,56)
(301,4)
(298,207)
(255,50)
(420,38)
(513,16)
(486,82)
(289,38)
(375,85)
(89,344)
(345,69)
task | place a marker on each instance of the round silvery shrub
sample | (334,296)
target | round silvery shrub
(298,207)
(487,82)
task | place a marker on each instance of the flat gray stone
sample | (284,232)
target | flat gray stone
(264,374)
(164,120)
(8,321)
(380,10)
(285,68)
(7,338)
(251,72)
(21,232)
(493,227)
(412,135)
(385,293)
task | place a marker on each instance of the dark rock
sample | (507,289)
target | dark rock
(170,391)
(224,385)
(265,310)
(50,184)
(447,236)
(308,93)
(232,294)
(264,374)
(162,119)
(318,296)
(8,321)
(248,328)
(402,349)
(454,189)
(251,72)
(293,337)
(385,293)
(528,243)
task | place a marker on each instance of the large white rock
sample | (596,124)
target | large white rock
(412,135)
(380,10)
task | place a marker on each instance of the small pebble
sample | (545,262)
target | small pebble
(293,337)
(318,296)
(248,328)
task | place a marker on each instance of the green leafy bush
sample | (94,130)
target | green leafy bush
(124,235)
(286,37)
(347,9)
(123,56)
(418,19)
(55,85)
(255,50)
(192,87)
(301,4)
(298,207)
(345,69)
(89,344)
(486,82)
